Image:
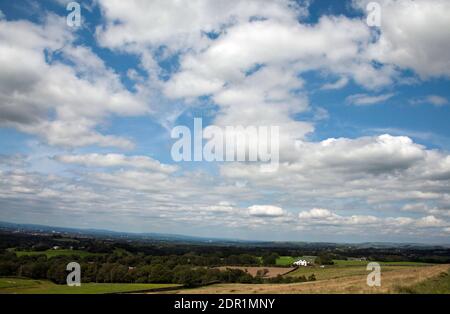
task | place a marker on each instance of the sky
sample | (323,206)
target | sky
(87,112)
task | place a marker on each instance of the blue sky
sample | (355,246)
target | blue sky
(87,113)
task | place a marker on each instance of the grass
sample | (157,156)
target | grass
(31,286)
(285,260)
(409,276)
(289,260)
(364,263)
(436,285)
(121,252)
(53,253)
(344,268)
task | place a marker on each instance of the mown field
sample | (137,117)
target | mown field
(31,286)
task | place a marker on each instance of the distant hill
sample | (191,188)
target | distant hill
(100,233)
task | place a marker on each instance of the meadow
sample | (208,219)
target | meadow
(436,285)
(345,268)
(289,260)
(413,279)
(32,286)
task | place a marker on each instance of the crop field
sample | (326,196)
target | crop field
(31,286)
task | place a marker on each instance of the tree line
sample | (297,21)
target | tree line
(189,269)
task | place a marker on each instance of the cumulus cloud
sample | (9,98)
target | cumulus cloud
(380,154)
(40,94)
(251,62)
(116,160)
(414,35)
(430,221)
(177,25)
(316,213)
(319,216)
(265,211)
(325,216)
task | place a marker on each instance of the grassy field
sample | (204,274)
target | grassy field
(30,286)
(364,263)
(409,276)
(285,260)
(436,285)
(53,253)
(343,268)
(289,260)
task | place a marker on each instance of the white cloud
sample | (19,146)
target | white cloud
(116,160)
(316,217)
(316,213)
(177,25)
(436,100)
(414,35)
(430,221)
(41,95)
(365,100)
(340,83)
(222,207)
(252,69)
(265,211)
(380,154)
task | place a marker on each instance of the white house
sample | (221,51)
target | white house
(301,262)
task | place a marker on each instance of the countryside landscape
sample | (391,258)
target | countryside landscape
(175,152)
(33,260)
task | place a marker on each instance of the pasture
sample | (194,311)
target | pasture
(31,286)
(414,279)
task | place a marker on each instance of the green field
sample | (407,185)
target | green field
(285,260)
(289,260)
(31,286)
(53,253)
(344,268)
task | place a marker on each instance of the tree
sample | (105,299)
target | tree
(270,258)
(324,259)
(57,273)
